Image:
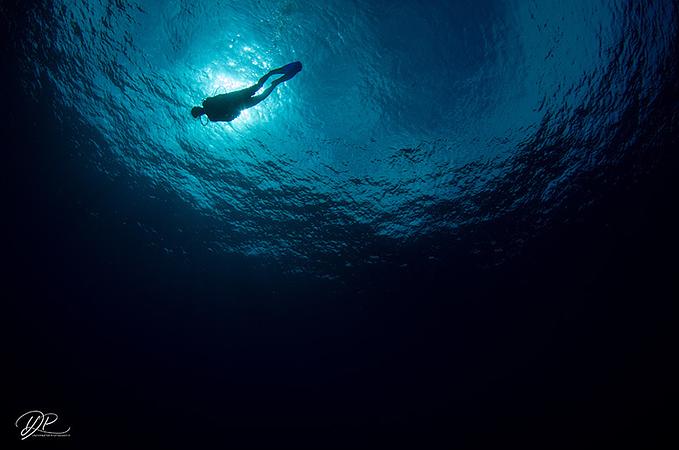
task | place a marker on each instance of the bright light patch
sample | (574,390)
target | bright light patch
(222,83)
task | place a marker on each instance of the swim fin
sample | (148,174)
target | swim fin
(292,69)
(288,71)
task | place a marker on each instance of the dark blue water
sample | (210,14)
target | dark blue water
(409,118)
(432,221)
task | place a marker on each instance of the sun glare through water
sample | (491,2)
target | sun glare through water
(239,73)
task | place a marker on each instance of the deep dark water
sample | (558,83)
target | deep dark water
(498,263)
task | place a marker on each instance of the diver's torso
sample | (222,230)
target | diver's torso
(220,108)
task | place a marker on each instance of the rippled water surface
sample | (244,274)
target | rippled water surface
(410,118)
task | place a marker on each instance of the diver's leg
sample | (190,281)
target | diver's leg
(277,81)
(288,71)
(243,95)
(285,77)
(247,92)
(266,77)
(252,101)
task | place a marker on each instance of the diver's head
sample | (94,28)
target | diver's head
(197,111)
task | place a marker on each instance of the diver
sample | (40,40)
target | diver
(226,107)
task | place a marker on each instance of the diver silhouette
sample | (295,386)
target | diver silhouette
(226,107)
